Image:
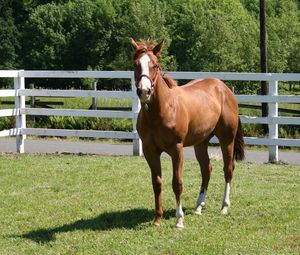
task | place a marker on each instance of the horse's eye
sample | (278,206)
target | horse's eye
(154,66)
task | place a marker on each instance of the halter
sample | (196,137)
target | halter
(154,81)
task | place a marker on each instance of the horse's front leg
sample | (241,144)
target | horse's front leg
(177,162)
(153,160)
(205,166)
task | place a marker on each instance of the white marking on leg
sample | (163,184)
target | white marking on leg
(200,202)
(226,201)
(179,216)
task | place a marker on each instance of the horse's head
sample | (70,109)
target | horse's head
(146,67)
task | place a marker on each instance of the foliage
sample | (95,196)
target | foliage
(200,35)
(68,204)
(140,19)
(9,39)
(72,36)
(7,123)
(212,35)
(80,123)
(285,34)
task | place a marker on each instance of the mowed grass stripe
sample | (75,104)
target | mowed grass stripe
(68,204)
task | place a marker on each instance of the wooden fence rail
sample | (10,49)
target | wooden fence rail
(20,111)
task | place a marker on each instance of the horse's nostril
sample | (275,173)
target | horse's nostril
(149,92)
(139,91)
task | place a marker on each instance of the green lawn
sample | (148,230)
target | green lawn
(67,204)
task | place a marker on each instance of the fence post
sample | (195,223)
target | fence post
(136,106)
(94,99)
(273,127)
(32,98)
(19,83)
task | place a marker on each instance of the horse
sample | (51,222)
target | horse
(172,117)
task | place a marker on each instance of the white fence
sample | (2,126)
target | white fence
(20,111)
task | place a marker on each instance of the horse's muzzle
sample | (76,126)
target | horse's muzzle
(139,92)
(143,94)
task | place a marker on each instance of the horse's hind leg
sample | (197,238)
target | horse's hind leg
(228,159)
(205,166)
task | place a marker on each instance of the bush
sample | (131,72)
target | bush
(80,123)
(7,123)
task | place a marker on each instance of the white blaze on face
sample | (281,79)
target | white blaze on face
(145,82)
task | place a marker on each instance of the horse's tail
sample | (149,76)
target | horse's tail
(239,144)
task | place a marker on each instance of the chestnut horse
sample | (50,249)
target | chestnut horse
(172,117)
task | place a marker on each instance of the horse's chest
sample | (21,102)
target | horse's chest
(162,132)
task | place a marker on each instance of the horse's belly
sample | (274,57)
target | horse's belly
(199,131)
(196,138)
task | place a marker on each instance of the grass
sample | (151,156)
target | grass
(71,103)
(68,204)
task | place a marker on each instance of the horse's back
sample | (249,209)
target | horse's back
(213,89)
(204,85)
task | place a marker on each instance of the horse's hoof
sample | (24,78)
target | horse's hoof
(179,223)
(198,210)
(156,224)
(224,210)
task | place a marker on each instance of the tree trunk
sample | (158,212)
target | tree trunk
(263,58)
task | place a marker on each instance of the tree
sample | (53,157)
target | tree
(72,36)
(143,19)
(284,35)
(283,26)
(263,59)
(45,38)
(9,37)
(90,27)
(200,35)
(213,36)
(9,41)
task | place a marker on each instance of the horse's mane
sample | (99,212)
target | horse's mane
(146,44)
(170,81)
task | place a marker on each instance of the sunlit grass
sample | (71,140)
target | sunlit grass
(68,204)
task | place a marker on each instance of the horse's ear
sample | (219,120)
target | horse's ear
(157,49)
(133,44)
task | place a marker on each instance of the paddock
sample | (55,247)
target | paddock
(68,204)
(20,111)
(57,204)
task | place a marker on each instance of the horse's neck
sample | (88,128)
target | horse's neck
(160,100)
(162,94)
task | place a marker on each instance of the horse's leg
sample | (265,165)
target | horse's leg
(177,162)
(205,166)
(153,160)
(228,159)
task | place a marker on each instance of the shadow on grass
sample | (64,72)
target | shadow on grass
(130,219)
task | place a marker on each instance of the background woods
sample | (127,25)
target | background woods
(201,35)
